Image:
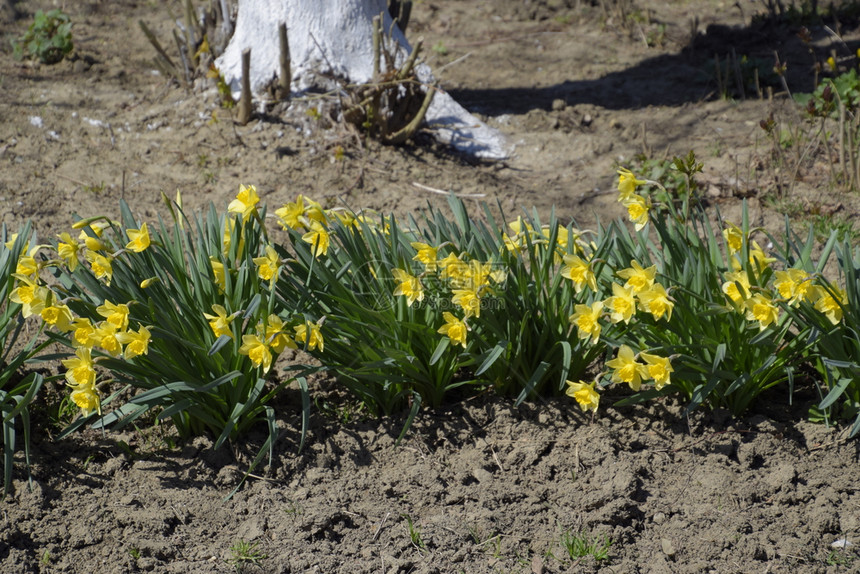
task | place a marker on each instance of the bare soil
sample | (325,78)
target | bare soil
(487,487)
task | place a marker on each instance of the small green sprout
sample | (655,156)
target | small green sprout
(245,553)
(581,544)
(49,38)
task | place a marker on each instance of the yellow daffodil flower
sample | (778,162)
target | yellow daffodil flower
(277,336)
(758,259)
(737,288)
(101,266)
(116,315)
(80,370)
(637,210)
(57,316)
(268,266)
(245,203)
(27,264)
(408,285)
(87,399)
(309,334)
(426,255)
(793,285)
(218,272)
(454,269)
(475,278)
(138,239)
(257,350)
(829,305)
(11,243)
(83,332)
(220,321)
(659,369)
(578,271)
(346,218)
(627,184)
(587,320)
(68,249)
(136,343)
(622,304)
(734,238)
(760,308)
(655,300)
(298,215)
(626,369)
(454,328)
(318,237)
(638,278)
(105,336)
(468,300)
(585,394)
(30,295)
(289,216)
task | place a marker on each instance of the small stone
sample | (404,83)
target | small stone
(667,546)
(658,518)
(558,105)
(482,475)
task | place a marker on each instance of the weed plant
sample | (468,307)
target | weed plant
(49,38)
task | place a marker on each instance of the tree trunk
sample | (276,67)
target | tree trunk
(333,39)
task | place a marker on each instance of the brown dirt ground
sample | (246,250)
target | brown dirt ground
(578,88)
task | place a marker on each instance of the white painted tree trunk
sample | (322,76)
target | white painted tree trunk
(333,38)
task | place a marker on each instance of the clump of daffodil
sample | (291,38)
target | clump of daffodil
(585,394)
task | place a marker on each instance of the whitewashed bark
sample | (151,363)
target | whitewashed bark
(333,38)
